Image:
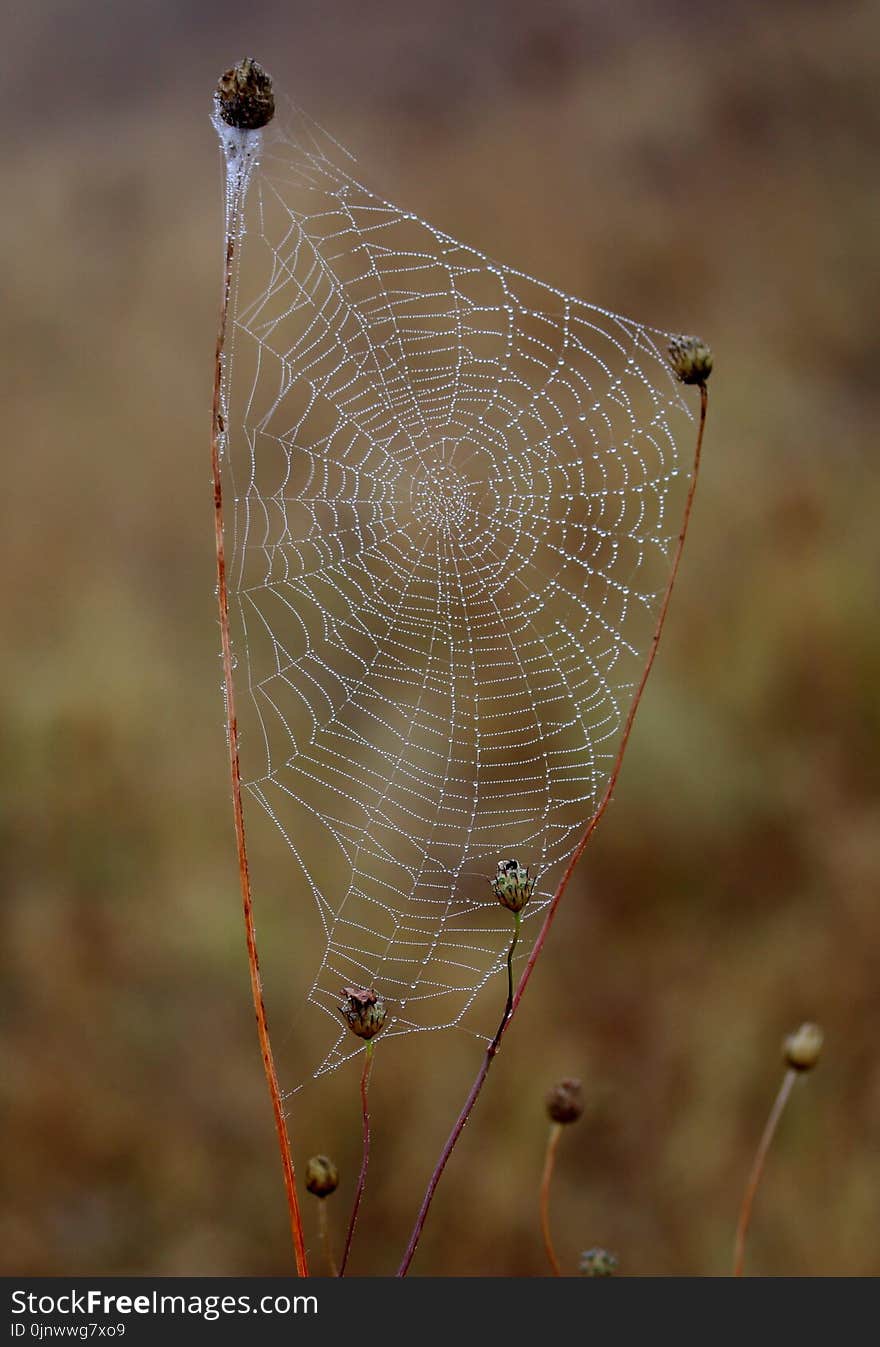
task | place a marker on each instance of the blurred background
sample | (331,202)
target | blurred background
(716,175)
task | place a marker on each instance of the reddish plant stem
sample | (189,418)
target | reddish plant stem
(764,1144)
(362,1177)
(549,1162)
(235,772)
(553,906)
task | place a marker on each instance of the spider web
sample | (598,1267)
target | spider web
(452,495)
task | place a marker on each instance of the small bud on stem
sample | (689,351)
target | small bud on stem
(598,1263)
(801,1050)
(691,360)
(513,886)
(363,1011)
(322,1176)
(565,1102)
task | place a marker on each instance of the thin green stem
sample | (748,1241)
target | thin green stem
(517,928)
(362,1177)
(764,1144)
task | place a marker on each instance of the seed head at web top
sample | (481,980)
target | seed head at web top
(244,96)
(363,1010)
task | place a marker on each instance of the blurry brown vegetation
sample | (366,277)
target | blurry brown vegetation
(717,176)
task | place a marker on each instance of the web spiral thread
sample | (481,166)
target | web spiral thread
(454,494)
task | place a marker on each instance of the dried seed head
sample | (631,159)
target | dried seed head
(691,359)
(565,1102)
(322,1176)
(598,1263)
(244,96)
(801,1049)
(513,886)
(363,1010)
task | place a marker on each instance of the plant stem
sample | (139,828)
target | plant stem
(362,1177)
(492,1049)
(324,1232)
(296,1229)
(517,927)
(764,1144)
(549,1161)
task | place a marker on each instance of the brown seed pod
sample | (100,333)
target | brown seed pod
(322,1176)
(565,1102)
(244,96)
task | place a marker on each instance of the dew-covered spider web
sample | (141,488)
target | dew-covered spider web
(452,494)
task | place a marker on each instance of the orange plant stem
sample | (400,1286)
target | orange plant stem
(745,1213)
(549,1162)
(235,774)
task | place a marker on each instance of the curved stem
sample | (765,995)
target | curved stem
(764,1144)
(553,906)
(324,1233)
(362,1177)
(549,1162)
(217,429)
